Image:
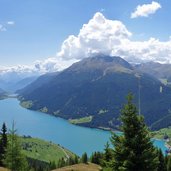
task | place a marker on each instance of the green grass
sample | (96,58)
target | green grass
(26,104)
(42,150)
(44,110)
(81,120)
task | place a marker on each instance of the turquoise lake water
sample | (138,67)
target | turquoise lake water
(36,124)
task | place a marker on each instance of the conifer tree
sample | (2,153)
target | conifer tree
(3,143)
(76,159)
(14,159)
(84,158)
(52,165)
(61,163)
(168,163)
(133,151)
(162,163)
(107,152)
(107,157)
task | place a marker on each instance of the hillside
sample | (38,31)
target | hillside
(93,91)
(81,167)
(158,70)
(13,82)
(43,151)
(43,79)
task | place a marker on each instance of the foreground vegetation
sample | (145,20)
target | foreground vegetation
(42,150)
(31,154)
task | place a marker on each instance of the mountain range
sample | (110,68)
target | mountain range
(96,88)
(158,70)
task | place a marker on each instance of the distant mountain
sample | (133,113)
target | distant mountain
(158,70)
(11,85)
(3,94)
(93,92)
(1,91)
(42,80)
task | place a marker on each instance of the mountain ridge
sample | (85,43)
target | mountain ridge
(97,87)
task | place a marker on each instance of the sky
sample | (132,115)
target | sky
(50,35)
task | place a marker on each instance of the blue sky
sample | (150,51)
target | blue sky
(40,26)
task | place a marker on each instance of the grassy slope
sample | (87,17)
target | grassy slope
(81,167)
(43,150)
(81,120)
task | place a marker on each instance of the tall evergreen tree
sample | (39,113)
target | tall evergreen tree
(162,163)
(107,152)
(14,159)
(3,143)
(84,158)
(168,163)
(133,151)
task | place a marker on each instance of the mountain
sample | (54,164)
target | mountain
(13,80)
(3,94)
(43,79)
(158,70)
(92,92)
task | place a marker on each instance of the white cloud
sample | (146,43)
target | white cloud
(38,68)
(111,37)
(145,10)
(98,36)
(10,22)
(2,28)
(101,36)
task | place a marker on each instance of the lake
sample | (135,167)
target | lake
(36,124)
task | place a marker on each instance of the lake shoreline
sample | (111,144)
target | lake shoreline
(76,138)
(86,126)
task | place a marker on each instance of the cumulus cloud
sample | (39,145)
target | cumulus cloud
(145,10)
(98,36)
(111,37)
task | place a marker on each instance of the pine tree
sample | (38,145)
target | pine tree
(3,143)
(76,159)
(61,163)
(52,165)
(14,159)
(107,152)
(97,158)
(84,158)
(133,151)
(162,163)
(169,164)
(107,157)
